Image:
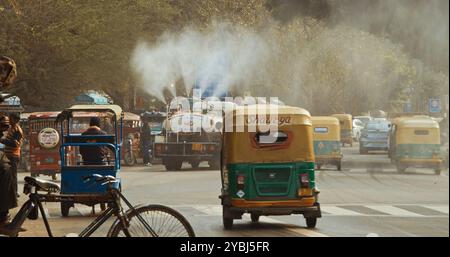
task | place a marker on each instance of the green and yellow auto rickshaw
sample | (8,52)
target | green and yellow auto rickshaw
(272,172)
(327,141)
(415,142)
(346,124)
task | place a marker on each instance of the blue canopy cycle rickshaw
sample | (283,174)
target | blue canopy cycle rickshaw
(74,121)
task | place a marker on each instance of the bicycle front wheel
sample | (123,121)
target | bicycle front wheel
(164,221)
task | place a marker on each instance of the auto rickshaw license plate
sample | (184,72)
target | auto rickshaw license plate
(196,147)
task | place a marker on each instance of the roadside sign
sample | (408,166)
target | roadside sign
(434,105)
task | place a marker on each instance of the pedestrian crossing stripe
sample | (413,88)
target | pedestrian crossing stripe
(393,211)
(443,209)
(327,210)
(340,210)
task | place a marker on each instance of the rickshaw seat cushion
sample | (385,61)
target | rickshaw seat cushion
(43,185)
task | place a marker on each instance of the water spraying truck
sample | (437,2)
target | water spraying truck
(192,134)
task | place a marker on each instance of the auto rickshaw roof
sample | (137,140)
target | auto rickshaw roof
(280,109)
(325,120)
(117,110)
(43,115)
(418,122)
(342,116)
(131,116)
(152,115)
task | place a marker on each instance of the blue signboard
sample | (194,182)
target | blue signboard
(434,105)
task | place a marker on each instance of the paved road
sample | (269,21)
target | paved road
(368,197)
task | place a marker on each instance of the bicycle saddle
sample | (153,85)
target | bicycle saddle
(43,185)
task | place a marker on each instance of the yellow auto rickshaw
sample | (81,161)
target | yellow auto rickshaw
(346,123)
(327,141)
(415,142)
(268,172)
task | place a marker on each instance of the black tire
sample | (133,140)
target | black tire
(254,217)
(226,218)
(311,222)
(178,223)
(34,213)
(65,208)
(227,223)
(195,164)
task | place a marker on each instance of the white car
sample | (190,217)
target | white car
(357,128)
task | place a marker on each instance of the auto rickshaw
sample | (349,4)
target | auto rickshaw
(268,173)
(327,141)
(44,143)
(415,142)
(73,170)
(346,124)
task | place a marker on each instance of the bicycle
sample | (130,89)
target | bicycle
(143,220)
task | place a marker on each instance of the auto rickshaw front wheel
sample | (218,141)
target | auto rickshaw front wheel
(254,217)
(311,222)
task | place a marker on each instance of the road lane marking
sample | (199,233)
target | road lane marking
(439,208)
(394,211)
(334,210)
(297,230)
(84,210)
(213,210)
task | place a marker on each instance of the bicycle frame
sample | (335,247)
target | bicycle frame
(114,208)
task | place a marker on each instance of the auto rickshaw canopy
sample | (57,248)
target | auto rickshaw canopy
(417,130)
(131,116)
(326,128)
(115,109)
(293,135)
(345,120)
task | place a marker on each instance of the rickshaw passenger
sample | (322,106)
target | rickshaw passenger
(93,155)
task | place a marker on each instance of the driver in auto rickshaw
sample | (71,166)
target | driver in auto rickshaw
(93,155)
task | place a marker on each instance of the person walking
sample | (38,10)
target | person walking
(146,144)
(12,141)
